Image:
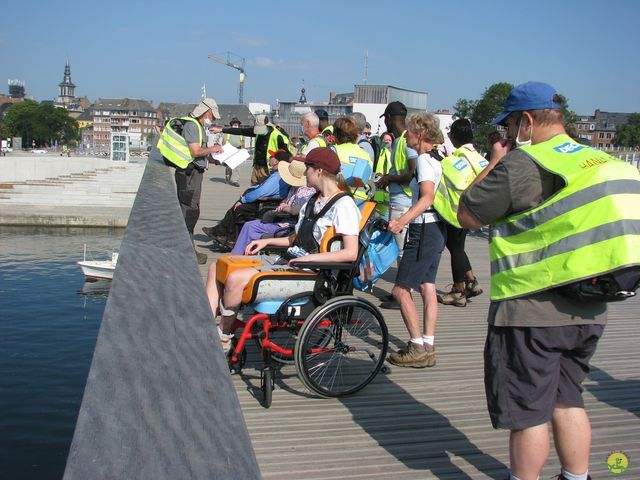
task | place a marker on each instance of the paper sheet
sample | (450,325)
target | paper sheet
(231,156)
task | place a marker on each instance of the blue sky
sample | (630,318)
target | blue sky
(451,49)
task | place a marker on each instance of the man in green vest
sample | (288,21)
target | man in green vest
(269,140)
(324,126)
(189,174)
(556,217)
(309,122)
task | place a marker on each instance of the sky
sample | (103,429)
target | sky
(450,49)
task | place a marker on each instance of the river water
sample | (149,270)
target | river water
(49,321)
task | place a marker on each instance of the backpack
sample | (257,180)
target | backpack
(380,252)
(610,287)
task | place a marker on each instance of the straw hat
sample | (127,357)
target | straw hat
(293,173)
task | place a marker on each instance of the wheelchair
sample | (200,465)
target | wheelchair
(311,319)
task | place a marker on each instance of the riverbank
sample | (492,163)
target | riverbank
(50,190)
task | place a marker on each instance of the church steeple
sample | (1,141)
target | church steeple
(303,97)
(66,89)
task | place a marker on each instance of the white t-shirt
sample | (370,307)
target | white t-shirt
(428,169)
(344,216)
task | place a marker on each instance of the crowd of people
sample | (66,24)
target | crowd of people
(542,330)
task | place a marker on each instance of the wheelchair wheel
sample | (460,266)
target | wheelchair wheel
(341,346)
(267,386)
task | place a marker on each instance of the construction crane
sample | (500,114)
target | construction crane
(227,61)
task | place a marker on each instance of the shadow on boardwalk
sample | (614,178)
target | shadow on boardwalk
(622,394)
(415,434)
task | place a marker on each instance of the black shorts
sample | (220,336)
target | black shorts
(420,260)
(528,370)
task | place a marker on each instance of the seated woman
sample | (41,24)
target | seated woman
(322,168)
(274,187)
(285,216)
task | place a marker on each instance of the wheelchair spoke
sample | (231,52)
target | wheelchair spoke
(341,349)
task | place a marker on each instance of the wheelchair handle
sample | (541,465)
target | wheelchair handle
(322,265)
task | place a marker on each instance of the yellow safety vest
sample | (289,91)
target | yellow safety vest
(381,197)
(400,160)
(348,154)
(272,143)
(477,161)
(321,139)
(590,227)
(459,170)
(173,146)
(228,138)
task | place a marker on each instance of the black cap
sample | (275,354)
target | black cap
(281,155)
(235,120)
(322,114)
(395,108)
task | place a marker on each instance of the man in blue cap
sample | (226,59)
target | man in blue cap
(551,203)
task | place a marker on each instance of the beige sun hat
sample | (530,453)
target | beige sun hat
(204,106)
(260,127)
(293,173)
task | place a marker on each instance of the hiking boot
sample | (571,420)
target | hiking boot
(413,355)
(454,297)
(471,288)
(221,240)
(201,257)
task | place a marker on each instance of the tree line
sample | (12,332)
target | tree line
(46,124)
(42,124)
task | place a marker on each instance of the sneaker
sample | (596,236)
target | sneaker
(471,288)
(234,184)
(414,355)
(454,297)
(201,257)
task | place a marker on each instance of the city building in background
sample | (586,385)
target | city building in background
(599,129)
(137,118)
(370,100)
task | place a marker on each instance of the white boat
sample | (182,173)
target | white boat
(94,269)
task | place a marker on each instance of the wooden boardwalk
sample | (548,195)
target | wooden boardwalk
(429,423)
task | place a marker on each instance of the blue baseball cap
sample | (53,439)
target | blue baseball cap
(529,96)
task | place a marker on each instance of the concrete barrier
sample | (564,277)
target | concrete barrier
(159,402)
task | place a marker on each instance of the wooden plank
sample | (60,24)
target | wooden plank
(429,423)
